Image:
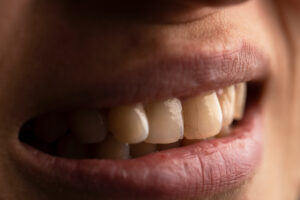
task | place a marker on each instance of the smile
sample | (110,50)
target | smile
(200,137)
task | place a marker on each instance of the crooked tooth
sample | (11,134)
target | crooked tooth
(227,102)
(141,149)
(69,147)
(88,126)
(111,148)
(129,124)
(202,116)
(49,128)
(240,100)
(165,121)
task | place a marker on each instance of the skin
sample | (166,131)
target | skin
(53,54)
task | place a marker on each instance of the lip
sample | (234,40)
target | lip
(175,74)
(198,170)
(181,70)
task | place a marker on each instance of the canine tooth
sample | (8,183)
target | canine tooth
(69,147)
(111,148)
(129,124)
(165,121)
(88,126)
(49,128)
(240,100)
(168,146)
(142,149)
(227,102)
(202,116)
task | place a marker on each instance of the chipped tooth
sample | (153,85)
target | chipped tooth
(49,128)
(129,124)
(141,149)
(88,126)
(240,100)
(202,116)
(68,146)
(111,148)
(227,102)
(162,147)
(165,121)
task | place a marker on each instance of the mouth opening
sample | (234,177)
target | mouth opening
(140,129)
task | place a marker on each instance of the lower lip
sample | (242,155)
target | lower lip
(199,170)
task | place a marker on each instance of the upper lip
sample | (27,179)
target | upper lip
(163,76)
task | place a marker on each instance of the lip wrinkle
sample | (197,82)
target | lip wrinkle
(186,74)
(198,170)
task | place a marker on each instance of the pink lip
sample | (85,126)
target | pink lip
(198,170)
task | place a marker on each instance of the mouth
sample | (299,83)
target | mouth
(196,140)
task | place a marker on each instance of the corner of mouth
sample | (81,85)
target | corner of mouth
(198,170)
(210,166)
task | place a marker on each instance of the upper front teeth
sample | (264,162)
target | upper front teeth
(165,121)
(203,116)
(227,102)
(161,122)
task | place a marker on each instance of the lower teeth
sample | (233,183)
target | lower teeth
(137,130)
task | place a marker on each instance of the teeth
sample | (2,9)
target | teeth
(137,150)
(202,116)
(161,125)
(50,127)
(225,131)
(165,121)
(129,124)
(227,102)
(240,99)
(88,126)
(69,147)
(111,148)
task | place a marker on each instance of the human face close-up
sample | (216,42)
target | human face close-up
(169,99)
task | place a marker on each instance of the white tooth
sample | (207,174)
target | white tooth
(202,116)
(168,146)
(165,121)
(141,149)
(240,99)
(111,148)
(88,126)
(69,147)
(129,124)
(227,102)
(49,128)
